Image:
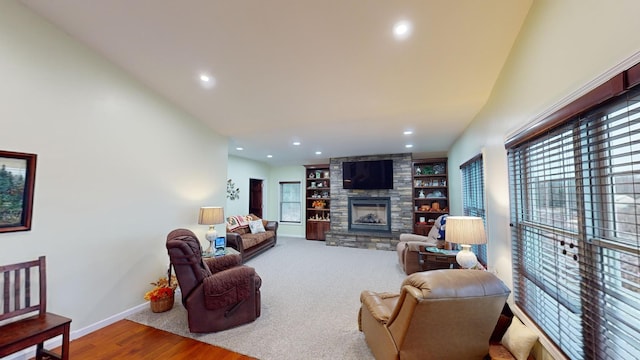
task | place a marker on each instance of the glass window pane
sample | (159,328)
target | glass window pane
(290,202)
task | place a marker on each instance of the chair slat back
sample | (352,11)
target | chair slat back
(17,288)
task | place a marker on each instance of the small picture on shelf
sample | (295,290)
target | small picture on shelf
(318,174)
(428,170)
(438,169)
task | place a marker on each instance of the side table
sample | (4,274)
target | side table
(443,259)
(227,251)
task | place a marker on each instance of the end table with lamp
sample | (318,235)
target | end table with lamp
(211,215)
(466,231)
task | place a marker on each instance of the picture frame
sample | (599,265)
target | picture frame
(220,245)
(17,182)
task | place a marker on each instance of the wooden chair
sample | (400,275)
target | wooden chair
(20,331)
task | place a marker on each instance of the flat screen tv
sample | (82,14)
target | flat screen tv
(368,175)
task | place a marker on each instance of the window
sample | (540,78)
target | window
(290,205)
(473,197)
(575,212)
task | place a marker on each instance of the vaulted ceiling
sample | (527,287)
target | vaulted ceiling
(329,74)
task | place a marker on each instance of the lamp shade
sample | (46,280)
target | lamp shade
(211,215)
(467,230)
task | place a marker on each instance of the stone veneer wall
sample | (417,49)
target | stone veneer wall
(401,205)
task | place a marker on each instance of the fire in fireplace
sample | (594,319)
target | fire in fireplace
(369,214)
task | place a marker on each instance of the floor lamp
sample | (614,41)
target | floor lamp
(211,215)
(466,231)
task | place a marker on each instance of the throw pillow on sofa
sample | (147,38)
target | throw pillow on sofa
(256,226)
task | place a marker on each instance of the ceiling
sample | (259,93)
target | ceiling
(329,74)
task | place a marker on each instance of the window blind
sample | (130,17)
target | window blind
(473,197)
(575,213)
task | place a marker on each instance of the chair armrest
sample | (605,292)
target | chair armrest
(374,303)
(229,287)
(413,237)
(217,264)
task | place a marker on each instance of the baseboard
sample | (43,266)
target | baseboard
(54,343)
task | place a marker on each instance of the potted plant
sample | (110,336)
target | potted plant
(162,295)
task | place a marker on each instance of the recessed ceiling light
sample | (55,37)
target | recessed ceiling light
(296,143)
(408,146)
(269,156)
(402,29)
(207,81)
(239,148)
(318,152)
(408,132)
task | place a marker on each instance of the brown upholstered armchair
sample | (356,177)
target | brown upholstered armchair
(218,293)
(439,314)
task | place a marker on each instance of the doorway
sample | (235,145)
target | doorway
(255,197)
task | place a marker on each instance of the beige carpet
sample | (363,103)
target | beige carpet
(310,302)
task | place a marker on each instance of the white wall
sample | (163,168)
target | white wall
(118,168)
(565,49)
(240,170)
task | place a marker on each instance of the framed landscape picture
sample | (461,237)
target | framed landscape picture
(17,180)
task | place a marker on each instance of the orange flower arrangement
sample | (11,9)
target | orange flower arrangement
(318,204)
(163,289)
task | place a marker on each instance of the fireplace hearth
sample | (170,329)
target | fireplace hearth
(371,214)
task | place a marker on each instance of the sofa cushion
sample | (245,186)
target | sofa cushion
(249,240)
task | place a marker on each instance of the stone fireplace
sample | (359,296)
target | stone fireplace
(369,214)
(398,214)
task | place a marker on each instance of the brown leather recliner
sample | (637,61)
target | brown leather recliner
(218,293)
(439,314)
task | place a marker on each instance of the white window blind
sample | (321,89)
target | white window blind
(290,202)
(575,212)
(473,197)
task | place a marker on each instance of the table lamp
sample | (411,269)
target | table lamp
(466,231)
(211,215)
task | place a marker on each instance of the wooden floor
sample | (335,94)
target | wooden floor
(126,339)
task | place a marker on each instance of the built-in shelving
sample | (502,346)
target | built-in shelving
(430,193)
(317,201)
